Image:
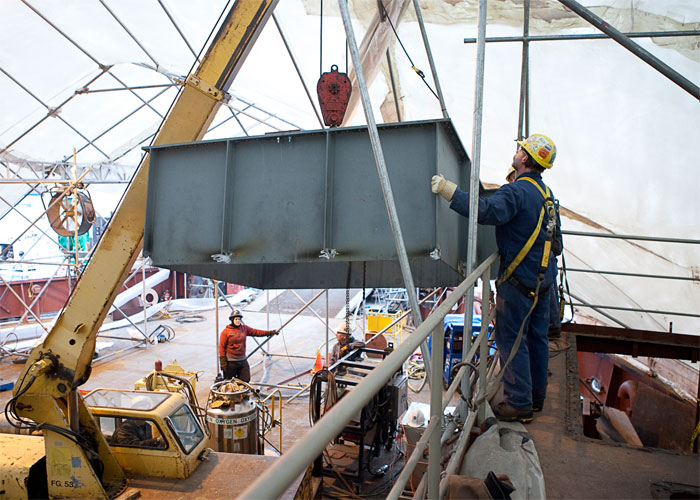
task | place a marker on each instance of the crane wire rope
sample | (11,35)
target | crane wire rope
(419,72)
(320,43)
(284,341)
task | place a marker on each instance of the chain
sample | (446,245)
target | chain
(347,310)
(364,284)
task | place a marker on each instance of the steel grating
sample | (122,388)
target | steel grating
(305,209)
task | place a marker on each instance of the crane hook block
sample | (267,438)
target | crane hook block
(334,91)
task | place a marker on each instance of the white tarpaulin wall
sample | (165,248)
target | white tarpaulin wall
(626,135)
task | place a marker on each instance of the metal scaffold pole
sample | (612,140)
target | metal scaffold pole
(633,47)
(383,176)
(523,110)
(429,53)
(474,182)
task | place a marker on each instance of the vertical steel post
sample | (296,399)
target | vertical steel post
(483,339)
(393,84)
(326,360)
(383,175)
(143,281)
(429,53)
(435,374)
(474,181)
(524,109)
(216,325)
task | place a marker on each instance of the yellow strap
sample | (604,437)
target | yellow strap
(534,183)
(531,240)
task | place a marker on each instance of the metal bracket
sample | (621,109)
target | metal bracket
(206,88)
(328,253)
(222,258)
(462,268)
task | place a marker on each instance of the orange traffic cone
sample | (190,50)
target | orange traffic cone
(318,365)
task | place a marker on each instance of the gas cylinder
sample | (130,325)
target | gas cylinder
(334,90)
(232,418)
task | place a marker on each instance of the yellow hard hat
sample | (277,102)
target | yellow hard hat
(541,148)
(510,173)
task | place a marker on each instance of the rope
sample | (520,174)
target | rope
(194,318)
(557,346)
(413,66)
(514,349)
(284,340)
(329,397)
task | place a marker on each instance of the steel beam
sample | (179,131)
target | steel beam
(590,36)
(607,339)
(633,47)
(631,237)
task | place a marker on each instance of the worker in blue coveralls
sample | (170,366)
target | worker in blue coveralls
(528,231)
(555,310)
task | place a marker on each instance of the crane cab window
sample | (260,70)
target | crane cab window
(129,400)
(186,428)
(131,432)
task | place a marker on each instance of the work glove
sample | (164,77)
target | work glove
(222,361)
(443,187)
(274,332)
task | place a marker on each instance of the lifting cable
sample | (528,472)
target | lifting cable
(284,340)
(320,44)
(413,66)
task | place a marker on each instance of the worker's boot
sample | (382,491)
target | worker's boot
(507,413)
(554,333)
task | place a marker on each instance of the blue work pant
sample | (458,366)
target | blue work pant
(554,309)
(525,378)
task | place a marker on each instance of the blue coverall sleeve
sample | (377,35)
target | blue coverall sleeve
(496,210)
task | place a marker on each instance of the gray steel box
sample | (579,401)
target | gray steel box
(261,211)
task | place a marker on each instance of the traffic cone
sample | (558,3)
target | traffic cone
(318,365)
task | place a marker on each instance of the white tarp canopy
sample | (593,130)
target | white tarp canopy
(99,75)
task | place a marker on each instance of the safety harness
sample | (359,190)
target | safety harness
(548,206)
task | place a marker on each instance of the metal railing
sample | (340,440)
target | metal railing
(274,482)
(601,308)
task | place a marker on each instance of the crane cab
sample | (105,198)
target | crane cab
(150,433)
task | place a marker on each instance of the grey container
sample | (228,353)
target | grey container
(305,209)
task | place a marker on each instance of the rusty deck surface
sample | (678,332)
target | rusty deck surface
(222,475)
(575,466)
